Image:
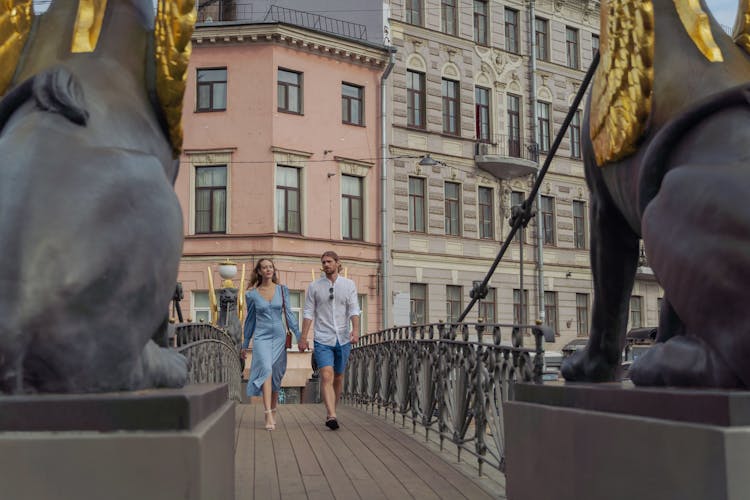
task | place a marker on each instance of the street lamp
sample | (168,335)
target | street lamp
(429,161)
(232,299)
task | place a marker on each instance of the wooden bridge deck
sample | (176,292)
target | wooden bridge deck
(367,458)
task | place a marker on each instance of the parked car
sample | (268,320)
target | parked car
(638,341)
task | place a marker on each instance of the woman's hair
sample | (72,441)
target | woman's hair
(334,256)
(256,278)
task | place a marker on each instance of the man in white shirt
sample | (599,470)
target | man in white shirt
(331,302)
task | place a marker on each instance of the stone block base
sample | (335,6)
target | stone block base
(191,458)
(581,441)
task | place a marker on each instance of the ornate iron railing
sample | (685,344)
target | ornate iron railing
(451,378)
(212,355)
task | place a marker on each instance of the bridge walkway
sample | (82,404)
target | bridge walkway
(369,457)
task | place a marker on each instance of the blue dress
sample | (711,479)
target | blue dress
(269,347)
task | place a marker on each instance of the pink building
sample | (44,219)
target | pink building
(281,158)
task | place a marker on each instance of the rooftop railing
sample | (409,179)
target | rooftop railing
(218,11)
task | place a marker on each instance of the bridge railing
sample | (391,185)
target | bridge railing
(448,378)
(212,355)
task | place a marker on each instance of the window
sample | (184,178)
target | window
(452,209)
(543,126)
(448,14)
(575,135)
(288,200)
(362,299)
(514,126)
(414,12)
(201,311)
(550,310)
(482,112)
(351,207)
(486,216)
(579,224)
(289,91)
(450,107)
(548,220)
(516,199)
(582,314)
(453,303)
(212,89)
(486,306)
(636,308)
(296,300)
(659,303)
(352,98)
(594,45)
(211,199)
(416,205)
(541,30)
(571,47)
(418,303)
(511,30)
(520,307)
(415,99)
(480,21)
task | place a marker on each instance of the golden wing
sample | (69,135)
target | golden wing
(621,95)
(741,31)
(16,17)
(173,28)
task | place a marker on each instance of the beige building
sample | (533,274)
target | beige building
(462,92)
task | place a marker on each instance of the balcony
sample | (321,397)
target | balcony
(506,157)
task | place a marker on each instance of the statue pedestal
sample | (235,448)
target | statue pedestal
(615,441)
(151,444)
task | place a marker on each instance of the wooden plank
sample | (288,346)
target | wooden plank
(316,484)
(443,478)
(415,485)
(266,484)
(291,485)
(339,483)
(366,485)
(244,450)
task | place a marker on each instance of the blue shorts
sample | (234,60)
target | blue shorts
(335,356)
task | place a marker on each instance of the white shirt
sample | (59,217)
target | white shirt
(331,315)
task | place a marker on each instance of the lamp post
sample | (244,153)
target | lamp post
(230,309)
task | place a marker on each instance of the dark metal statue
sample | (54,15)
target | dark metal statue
(90,227)
(667,159)
(229,315)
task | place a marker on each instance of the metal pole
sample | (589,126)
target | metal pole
(384,226)
(535,190)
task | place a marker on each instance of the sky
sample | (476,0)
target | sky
(724,11)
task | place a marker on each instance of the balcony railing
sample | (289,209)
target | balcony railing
(512,147)
(451,378)
(224,11)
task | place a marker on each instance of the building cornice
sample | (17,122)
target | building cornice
(291,36)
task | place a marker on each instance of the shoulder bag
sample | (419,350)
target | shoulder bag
(288,343)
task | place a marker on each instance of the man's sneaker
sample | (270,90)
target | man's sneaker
(332,423)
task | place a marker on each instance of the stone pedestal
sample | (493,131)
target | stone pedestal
(613,441)
(153,444)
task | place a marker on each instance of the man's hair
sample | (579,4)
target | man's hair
(334,256)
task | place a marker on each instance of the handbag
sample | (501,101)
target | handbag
(288,342)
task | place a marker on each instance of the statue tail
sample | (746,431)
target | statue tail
(55,90)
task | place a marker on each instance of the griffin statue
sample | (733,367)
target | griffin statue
(667,160)
(90,227)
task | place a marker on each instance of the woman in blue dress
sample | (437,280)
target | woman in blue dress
(267,301)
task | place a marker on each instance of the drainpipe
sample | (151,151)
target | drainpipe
(384,225)
(532,98)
